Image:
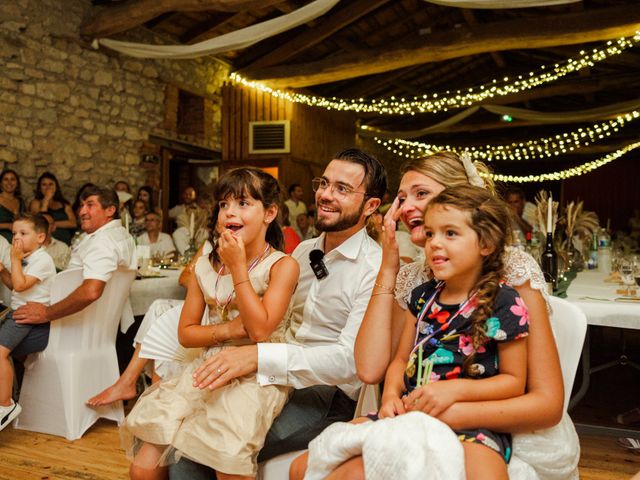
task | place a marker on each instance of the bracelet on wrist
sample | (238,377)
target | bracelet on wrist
(383,287)
(214,337)
(381,293)
(241,282)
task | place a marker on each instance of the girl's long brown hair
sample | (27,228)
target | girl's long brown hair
(489,218)
(248,182)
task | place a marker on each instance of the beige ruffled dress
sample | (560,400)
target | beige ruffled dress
(225,428)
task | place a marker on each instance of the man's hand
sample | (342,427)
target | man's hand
(31,314)
(219,369)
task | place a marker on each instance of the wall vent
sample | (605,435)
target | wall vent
(269,137)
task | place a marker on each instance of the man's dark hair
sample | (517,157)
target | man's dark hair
(375,176)
(106,196)
(293,186)
(513,190)
(37,220)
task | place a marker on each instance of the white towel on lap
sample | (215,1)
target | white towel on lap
(409,445)
(389,450)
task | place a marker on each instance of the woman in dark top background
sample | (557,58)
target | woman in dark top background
(49,199)
(11,202)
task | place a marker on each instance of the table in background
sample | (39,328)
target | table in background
(145,290)
(597,299)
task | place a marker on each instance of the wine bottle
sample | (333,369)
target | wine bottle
(549,263)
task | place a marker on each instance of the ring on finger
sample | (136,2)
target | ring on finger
(219,370)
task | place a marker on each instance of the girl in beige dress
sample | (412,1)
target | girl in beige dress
(247,284)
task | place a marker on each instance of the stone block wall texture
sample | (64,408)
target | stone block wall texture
(81,113)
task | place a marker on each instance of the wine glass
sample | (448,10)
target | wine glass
(627,274)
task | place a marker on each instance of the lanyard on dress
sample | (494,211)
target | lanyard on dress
(467,307)
(251,267)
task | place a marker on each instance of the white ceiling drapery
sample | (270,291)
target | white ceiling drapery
(500,3)
(236,40)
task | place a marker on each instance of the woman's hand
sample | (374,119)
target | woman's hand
(391,407)
(390,249)
(433,398)
(219,369)
(231,251)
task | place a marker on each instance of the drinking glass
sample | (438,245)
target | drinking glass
(627,274)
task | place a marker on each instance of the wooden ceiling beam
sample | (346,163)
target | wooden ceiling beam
(313,36)
(547,31)
(132,13)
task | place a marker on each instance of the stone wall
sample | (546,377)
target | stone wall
(86,114)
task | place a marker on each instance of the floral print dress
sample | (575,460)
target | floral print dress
(451,343)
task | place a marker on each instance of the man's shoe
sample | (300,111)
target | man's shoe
(8,414)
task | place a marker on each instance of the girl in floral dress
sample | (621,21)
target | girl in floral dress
(466,327)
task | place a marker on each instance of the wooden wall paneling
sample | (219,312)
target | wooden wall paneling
(260,106)
(226,119)
(237,119)
(245,124)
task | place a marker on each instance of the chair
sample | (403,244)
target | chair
(569,326)
(80,360)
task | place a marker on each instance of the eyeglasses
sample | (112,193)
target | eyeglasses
(339,189)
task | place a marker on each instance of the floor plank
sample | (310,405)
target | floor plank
(97,456)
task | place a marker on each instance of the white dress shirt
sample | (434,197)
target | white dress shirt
(102,252)
(163,246)
(324,317)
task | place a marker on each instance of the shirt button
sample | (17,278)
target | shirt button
(272,379)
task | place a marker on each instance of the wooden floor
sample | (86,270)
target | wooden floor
(97,456)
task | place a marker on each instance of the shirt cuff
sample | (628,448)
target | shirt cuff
(272,364)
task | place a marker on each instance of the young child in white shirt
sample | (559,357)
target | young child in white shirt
(30,279)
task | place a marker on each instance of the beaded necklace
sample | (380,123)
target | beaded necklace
(221,307)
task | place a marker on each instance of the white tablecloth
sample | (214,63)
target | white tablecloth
(597,299)
(146,290)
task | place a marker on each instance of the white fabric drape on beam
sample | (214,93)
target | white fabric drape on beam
(500,3)
(593,114)
(236,40)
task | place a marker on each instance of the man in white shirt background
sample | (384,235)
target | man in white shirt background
(59,251)
(161,243)
(104,248)
(325,314)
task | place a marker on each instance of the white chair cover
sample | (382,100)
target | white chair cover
(79,361)
(569,325)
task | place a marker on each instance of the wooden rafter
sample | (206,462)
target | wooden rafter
(330,25)
(130,14)
(551,30)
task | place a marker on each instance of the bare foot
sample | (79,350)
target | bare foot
(117,391)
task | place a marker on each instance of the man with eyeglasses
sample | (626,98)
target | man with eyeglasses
(324,315)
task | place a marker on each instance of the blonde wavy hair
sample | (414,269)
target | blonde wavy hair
(489,219)
(447,169)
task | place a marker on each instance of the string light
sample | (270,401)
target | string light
(564,174)
(441,102)
(546,147)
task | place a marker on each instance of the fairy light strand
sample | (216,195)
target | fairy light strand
(546,147)
(567,173)
(441,102)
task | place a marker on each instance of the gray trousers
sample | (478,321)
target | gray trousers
(304,417)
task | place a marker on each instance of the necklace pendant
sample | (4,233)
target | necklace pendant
(411,366)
